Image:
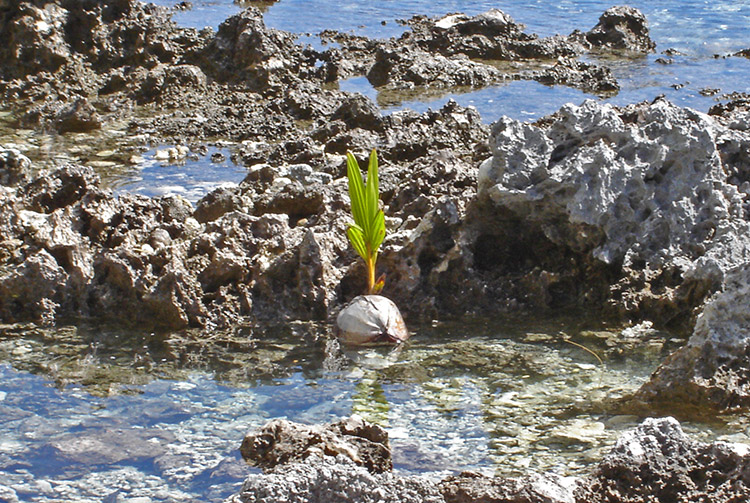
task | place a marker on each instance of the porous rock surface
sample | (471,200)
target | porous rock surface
(651,236)
(470,487)
(492,35)
(655,462)
(656,193)
(333,480)
(620,29)
(460,50)
(71,248)
(272,248)
(281,441)
(14,167)
(78,65)
(712,369)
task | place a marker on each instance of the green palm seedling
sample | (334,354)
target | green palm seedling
(368,230)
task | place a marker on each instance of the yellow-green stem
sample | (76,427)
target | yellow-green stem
(370,275)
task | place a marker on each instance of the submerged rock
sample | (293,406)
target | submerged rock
(111,446)
(79,117)
(655,460)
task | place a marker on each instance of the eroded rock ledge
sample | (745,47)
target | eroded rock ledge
(272,248)
(640,211)
(659,194)
(655,460)
(653,190)
(489,48)
(78,65)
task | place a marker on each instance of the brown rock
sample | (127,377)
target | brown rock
(622,28)
(281,441)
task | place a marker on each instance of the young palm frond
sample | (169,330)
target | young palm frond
(368,230)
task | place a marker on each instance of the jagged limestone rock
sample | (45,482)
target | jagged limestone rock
(658,194)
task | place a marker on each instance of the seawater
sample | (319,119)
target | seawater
(89,414)
(191,177)
(704,33)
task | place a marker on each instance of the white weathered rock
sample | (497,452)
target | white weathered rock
(653,190)
(334,480)
(655,186)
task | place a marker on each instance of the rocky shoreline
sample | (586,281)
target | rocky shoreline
(244,248)
(636,212)
(348,461)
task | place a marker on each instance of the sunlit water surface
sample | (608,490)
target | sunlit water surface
(96,415)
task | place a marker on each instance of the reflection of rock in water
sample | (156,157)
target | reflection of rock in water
(374,357)
(334,360)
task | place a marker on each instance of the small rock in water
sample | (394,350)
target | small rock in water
(172,154)
(281,441)
(578,431)
(371,319)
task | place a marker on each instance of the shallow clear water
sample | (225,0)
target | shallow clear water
(192,176)
(89,414)
(698,30)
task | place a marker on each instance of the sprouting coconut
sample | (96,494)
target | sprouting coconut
(369,318)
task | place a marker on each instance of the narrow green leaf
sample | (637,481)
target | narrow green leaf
(354,233)
(372,194)
(378,231)
(356,191)
(376,224)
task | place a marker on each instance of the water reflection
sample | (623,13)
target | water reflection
(175,169)
(96,411)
